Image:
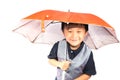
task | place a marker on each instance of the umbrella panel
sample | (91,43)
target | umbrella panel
(31,30)
(97,37)
(52,34)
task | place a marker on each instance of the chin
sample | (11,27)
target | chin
(74,44)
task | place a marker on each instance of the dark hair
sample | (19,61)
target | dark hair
(63,25)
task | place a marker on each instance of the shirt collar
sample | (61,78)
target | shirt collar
(77,50)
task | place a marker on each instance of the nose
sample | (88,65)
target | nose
(74,35)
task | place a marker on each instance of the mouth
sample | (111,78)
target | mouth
(74,40)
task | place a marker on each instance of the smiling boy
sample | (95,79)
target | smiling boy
(72,55)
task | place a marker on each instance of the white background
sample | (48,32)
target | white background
(22,60)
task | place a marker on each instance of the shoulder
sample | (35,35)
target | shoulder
(53,52)
(86,47)
(55,46)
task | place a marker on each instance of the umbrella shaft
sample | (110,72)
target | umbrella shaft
(63,75)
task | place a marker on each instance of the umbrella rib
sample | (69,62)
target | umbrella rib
(93,42)
(52,22)
(111,34)
(22,25)
(49,24)
(40,32)
(35,38)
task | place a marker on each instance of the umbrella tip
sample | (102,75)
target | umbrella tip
(43,30)
(68,10)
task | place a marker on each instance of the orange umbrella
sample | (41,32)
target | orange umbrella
(68,17)
(45,27)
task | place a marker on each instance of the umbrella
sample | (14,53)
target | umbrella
(45,27)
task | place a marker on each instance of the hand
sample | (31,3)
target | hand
(64,65)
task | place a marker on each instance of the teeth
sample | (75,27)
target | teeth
(74,40)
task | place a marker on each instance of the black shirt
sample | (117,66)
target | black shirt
(89,67)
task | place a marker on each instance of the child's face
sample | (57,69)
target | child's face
(74,35)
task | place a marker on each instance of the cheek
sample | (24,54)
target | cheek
(83,35)
(67,36)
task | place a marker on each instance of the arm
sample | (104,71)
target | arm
(83,77)
(53,62)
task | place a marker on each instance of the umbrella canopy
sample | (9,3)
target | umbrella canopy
(45,27)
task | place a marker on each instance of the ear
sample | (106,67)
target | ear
(86,33)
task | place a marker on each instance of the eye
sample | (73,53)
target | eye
(69,31)
(78,31)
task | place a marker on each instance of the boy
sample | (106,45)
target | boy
(71,55)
